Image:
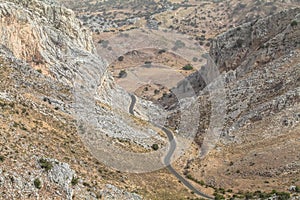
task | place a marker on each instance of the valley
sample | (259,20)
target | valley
(158,99)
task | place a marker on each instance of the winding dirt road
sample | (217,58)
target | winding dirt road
(167,159)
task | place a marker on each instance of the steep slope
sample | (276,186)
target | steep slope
(42,156)
(259,141)
(51,82)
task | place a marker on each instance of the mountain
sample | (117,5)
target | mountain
(228,124)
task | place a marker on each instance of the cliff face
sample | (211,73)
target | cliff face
(44,35)
(259,62)
(260,65)
(256,43)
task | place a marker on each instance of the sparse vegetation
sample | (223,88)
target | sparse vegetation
(155,147)
(188,67)
(37,183)
(218,196)
(297,189)
(189,176)
(122,73)
(75,181)
(161,51)
(120,58)
(46,165)
(1,158)
(294,23)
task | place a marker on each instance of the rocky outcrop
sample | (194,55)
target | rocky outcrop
(260,61)
(256,43)
(46,36)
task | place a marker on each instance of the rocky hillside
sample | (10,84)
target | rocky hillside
(61,111)
(53,86)
(42,156)
(259,62)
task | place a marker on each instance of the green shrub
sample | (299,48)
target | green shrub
(189,176)
(47,165)
(155,147)
(74,181)
(218,196)
(37,183)
(297,189)
(1,158)
(222,190)
(188,67)
(249,195)
(294,23)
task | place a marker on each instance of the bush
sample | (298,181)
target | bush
(218,196)
(161,51)
(283,195)
(37,183)
(155,147)
(47,165)
(121,58)
(74,181)
(1,158)
(189,176)
(122,73)
(188,67)
(297,189)
(294,23)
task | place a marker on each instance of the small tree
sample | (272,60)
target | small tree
(188,67)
